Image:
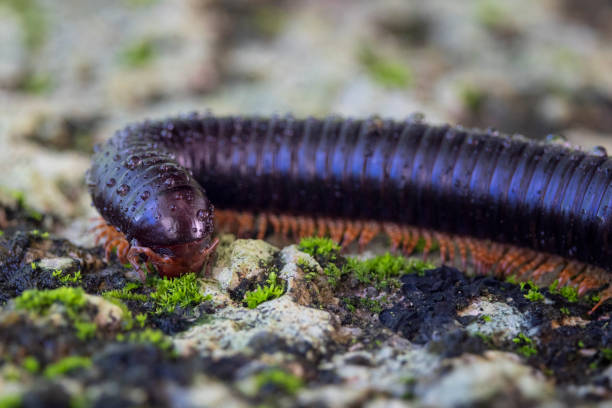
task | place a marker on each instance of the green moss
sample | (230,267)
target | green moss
(526,345)
(534,295)
(139,54)
(310,271)
(32,19)
(420,246)
(34,215)
(472,98)
(565,311)
(85,330)
(67,278)
(148,336)
(67,365)
(349,304)
(387,72)
(183,291)
(31,364)
(372,305)
(269,21)
(11,401)
(279,379)
(512,279)
(533,292)
(36,233)
(1,233)
(324,250)
(36,83)
(271,290)
(333,274)
(486,318)
(382,271)
(488,340)
(126,293)
(39,301)
(606,353)
(141,318)
(568,292)
(491,14)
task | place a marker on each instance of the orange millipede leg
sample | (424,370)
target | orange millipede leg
(336,228)
(411,238)
(276,224)
(443,244)
(262,225)
(428,242)
(369,231)
(246,222)
(322,224)
(394,233)
(353,229)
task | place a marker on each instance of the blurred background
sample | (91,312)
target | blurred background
(73,71)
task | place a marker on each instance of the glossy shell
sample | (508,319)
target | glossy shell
(147,180)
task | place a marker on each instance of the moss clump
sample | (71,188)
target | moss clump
(139,54)
(141,318)
(333,274)
(39,301)
(66,365)
(37,83)
(31,364)
(526,345)
(382,271)
(11,401)
(491,14)
(73,299)
(279,379)
(568,292)
(85,330)
(372,305)
(67,278)
(387,72)
(32,19)
(148,336)
(271,290)
(126,293)
(178,292)
(38,234)
(533,292)
(324,250)
(473,98)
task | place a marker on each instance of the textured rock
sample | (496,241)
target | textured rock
(503,321)
(484,380)
(276,324)
(242,260)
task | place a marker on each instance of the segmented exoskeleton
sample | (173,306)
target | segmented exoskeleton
(510,204)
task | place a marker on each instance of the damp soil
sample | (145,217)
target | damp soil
(429,315)
(566,343)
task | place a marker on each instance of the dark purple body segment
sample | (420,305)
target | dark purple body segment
(147,180)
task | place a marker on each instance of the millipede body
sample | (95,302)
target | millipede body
(510,201)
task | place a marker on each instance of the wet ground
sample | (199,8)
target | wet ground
(72,72)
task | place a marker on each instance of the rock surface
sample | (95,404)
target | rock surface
(72,72)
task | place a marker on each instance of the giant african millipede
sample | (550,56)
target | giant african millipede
(506,204)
